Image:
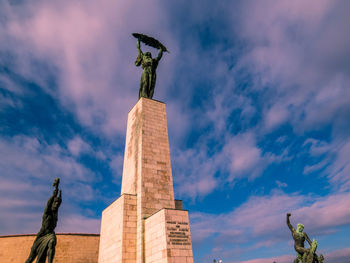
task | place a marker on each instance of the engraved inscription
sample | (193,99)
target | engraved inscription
(178,233)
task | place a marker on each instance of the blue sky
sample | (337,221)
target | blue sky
(258,105)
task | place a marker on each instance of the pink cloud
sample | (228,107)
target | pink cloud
(27,168)
(244,154)
(280,259)
(78,224)
(330,212)
(37,159)
(194,173)
(266,216)
(275,116)
(239,158)
(337,256)
(339,171)
(335,161)
(246,159)
(116,165)
(278,53)
(302,69)
(92,50)
(76,146)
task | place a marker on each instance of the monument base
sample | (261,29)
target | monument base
(146,224)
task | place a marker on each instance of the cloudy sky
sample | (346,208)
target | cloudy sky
(258,105)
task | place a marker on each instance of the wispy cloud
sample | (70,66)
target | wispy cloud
(263,218)
(77,146)
(337,256)
(198,174)
(86,44)
(339,170)
(301,67)
(280,259)
(28,167)
(75,223)
(334,162)
(194,174)
(250,86)
(28,157)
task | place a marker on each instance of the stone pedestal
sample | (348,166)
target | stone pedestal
(147,200)
(168,237)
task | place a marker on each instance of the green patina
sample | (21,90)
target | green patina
(149,66)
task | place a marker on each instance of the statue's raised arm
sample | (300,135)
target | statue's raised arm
(289,224)
(138,46)
(160,54)
(50,201)
(308,239)
(140,54)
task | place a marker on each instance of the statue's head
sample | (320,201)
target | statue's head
(300,228)
(148,54)
(56,204)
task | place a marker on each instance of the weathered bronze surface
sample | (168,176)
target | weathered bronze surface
(148,64)
(45,242)
(304,255)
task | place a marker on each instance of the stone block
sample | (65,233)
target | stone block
(118,231)
(168,237)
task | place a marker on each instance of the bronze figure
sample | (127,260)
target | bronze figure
(45,242)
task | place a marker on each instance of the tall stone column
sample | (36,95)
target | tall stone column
(147,188)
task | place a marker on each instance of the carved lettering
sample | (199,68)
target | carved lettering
(178,233)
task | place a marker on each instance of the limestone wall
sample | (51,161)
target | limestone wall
(118,231)
(70,248)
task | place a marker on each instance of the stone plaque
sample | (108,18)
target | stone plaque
(178,233)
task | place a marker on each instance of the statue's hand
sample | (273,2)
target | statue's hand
(138,43)
(56,182)
(289,214)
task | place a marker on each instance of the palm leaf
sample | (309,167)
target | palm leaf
(150,41)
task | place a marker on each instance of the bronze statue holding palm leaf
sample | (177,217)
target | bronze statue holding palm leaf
(148,64)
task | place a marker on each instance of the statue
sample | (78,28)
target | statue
(45,242)
(148,64)
(304,255)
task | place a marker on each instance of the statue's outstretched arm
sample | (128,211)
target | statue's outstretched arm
(289,224)
(138,46)
(140,54)
(160,54)
(307,239)
(50,201)
(60,196)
